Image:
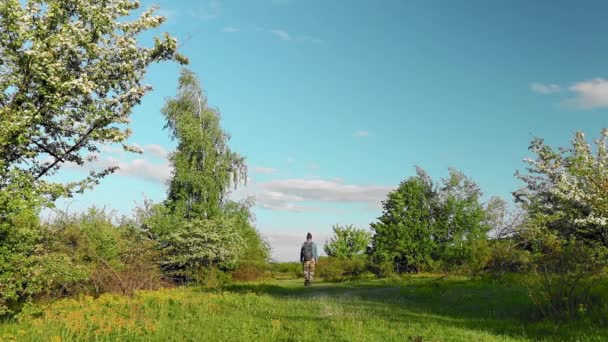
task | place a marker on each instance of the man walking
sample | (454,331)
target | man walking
(308,258)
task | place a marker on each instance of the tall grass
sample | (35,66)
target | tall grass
(411,309)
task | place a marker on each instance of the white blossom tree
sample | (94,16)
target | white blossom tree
(567,190)
(70,74)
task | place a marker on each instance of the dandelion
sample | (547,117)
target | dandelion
(276,324)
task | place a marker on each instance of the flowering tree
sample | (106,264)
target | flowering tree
(567,190)
(70,74)
(566,203)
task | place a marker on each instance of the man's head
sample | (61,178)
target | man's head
(308,237)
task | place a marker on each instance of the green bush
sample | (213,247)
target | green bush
(251,270)
(198,244)
(253,262)
(28,269)
(340,269)
(381,267)
(471,260)
(286,270)
(561,282)
(118,258)
(27,277)
(330,269)
(507,258)
(211,277)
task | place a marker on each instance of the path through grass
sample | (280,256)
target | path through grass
(417,309)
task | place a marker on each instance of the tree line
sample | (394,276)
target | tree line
(554,235)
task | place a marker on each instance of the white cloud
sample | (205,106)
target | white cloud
(589,94)
(264,170)
(545,88)
(296,195)
(328,190)
(231,29)
(361,134)
(112,149)
(144,169)
(281,34)
(156,150)
(138,168)
(285,35)
(291,160)
(208,11)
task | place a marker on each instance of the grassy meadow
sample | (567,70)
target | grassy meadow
(421,308)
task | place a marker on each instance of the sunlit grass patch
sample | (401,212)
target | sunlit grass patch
(422,307)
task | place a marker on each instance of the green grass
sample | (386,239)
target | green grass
(417,308)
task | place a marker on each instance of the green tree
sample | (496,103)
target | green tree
(198,227)
(460,221)
(204,166)
(424,223)
(404,232)
(70,74)
(347,241)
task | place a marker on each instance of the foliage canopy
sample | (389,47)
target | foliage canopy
(70,74)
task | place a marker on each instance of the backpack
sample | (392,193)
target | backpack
(307,251)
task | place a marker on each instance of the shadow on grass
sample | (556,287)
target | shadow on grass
(471,304)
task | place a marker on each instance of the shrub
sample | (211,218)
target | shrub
(381,267)
(138,268)
(286,270)
(198,244)
(330,270)
(562,278)
(190,244)
(211,277)
(253,261)
(27,277)
(118,258)
(28,270)
(505,258)
(250,271)
(340,269)
(470,261)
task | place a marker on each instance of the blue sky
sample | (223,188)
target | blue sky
(334,102)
